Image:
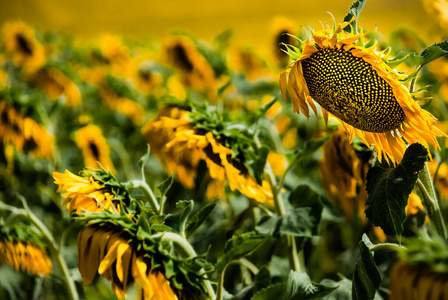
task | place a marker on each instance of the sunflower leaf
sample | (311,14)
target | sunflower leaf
(355,11)
(239,246)
(388,190)
(299,287)
(430,53)
(198,218)
(367,277)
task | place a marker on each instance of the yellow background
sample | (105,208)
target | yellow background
(206,18)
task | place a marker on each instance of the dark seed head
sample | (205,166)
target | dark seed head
(349,88)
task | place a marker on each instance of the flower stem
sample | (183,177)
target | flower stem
(430,201)
(150,197)
(220,283)
(185,250)
(294,260)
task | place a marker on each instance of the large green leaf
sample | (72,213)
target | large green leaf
(355,10)
(388,190)
(298,287)
(430,53)
(300,221)
(239,246)
(366,278)
(198,218)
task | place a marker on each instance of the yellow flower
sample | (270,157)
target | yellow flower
(128,107)
(26,257)
(414,205)
(95,149)
(356,86)
(115,54)
(412,282)
(246,61)
(194,69)
(24,133)
(147,81)
(343,171)
(111,255)
(56,84)
(83,194)
(159,132)
(277,162)
(279,29)
(21,45)
(442,178)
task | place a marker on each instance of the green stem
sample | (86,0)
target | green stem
(294,260)
(290,166)
(220,284)
(152,200)
(52,245)
(185,250)
(430,201)
(386,246)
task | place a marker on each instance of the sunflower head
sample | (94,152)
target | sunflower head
(343,73)
(22,46)
(281,30)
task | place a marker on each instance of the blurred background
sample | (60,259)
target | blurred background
(250,20)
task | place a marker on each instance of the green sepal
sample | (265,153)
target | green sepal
(187,207)
(239,246)
(298,287)
(367,277)
(396,61)
(388,190)
(354,10)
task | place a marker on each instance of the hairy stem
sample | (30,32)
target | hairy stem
(150,197)
(430,201)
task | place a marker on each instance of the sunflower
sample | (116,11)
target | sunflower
(281,30)
(413,281)
(246,61)
(131,109)
(24,133)
(21,45)
(442,178)
(95,149)
(354,84)
(83,194)
(56,84)
(26,257)
(112,53)
(160,131)
(110,254)
(343,171)
(194,69)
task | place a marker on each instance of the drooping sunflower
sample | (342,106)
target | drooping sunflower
(84,193)
(413,281)
(24,133)
(353,83)
(185,145)
(95,149)
(22,255)
(160,131)
(57,84)
(195,70)
(109,253)
(21,45)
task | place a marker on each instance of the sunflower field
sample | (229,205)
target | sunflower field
(192,169)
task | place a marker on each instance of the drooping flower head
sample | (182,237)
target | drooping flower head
(95,149)
(93,191)
(23,250)
(355,84)
(24,133)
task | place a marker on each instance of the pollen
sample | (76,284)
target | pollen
(349,88)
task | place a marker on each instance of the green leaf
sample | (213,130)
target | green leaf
(343,290)
(198,218)
(298,287)
(388,190)
(187,206)
(256,165)
(430,53)
(366,278)
(311,146)
(262,279)
(165,185)
(239,246)
(355,10)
